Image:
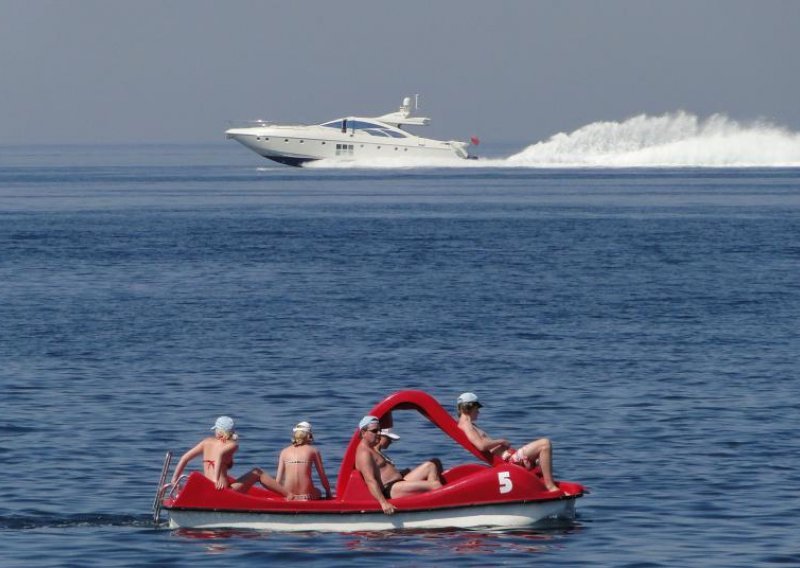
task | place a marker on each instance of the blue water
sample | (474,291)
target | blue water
(645,320)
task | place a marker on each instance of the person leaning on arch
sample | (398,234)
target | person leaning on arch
(366,462)
(217,452)
(383,479)
(468,407)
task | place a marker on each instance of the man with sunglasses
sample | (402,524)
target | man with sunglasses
(368,463)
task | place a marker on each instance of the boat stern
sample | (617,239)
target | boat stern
(462,149)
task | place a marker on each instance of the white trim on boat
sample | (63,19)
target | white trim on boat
(512,515)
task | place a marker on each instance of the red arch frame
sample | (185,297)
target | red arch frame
(426,405)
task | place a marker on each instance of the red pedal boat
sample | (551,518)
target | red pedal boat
(492,494)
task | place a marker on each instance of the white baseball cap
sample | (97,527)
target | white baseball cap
(224,423)
(466,397)
(389,434)
(366,421)
(303,427)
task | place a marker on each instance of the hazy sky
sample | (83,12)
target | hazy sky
(88,71)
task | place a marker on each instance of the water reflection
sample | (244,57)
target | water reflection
(418,543)
(459,541)
(220,541)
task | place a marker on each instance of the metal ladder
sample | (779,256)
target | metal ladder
(161,488)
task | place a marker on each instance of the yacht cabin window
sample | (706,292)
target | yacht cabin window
(370,128)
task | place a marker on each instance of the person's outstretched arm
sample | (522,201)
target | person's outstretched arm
(185,459)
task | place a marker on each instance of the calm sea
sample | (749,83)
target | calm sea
(645,320)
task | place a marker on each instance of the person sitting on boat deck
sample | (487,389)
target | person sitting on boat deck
(294,465)
(366,462)
(217,452)
(369,463)
(541,450)
(430,470)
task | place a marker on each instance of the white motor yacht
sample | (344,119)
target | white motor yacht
(347,139)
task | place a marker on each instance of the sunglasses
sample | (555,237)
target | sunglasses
(373,430)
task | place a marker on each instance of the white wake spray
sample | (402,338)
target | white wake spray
(671,140)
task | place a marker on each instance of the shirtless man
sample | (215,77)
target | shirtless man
(468,408)
(370,463)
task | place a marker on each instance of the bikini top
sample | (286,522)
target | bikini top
(214,465)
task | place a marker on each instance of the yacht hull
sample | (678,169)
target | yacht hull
(347,139)
(297,148)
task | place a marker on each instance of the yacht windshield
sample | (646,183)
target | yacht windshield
(368,127)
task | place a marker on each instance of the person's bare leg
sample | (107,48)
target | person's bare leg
(244,482)
(270,483)
(426,471)
(405,487)
(542,450)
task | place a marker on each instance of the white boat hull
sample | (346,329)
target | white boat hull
(296,146)
(506,516)
(348,139)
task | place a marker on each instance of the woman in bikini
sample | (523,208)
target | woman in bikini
(217,452)
(294,466)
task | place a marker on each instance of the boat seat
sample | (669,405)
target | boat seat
(455,473)
(357,488)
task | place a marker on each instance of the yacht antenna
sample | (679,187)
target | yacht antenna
(416,101)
